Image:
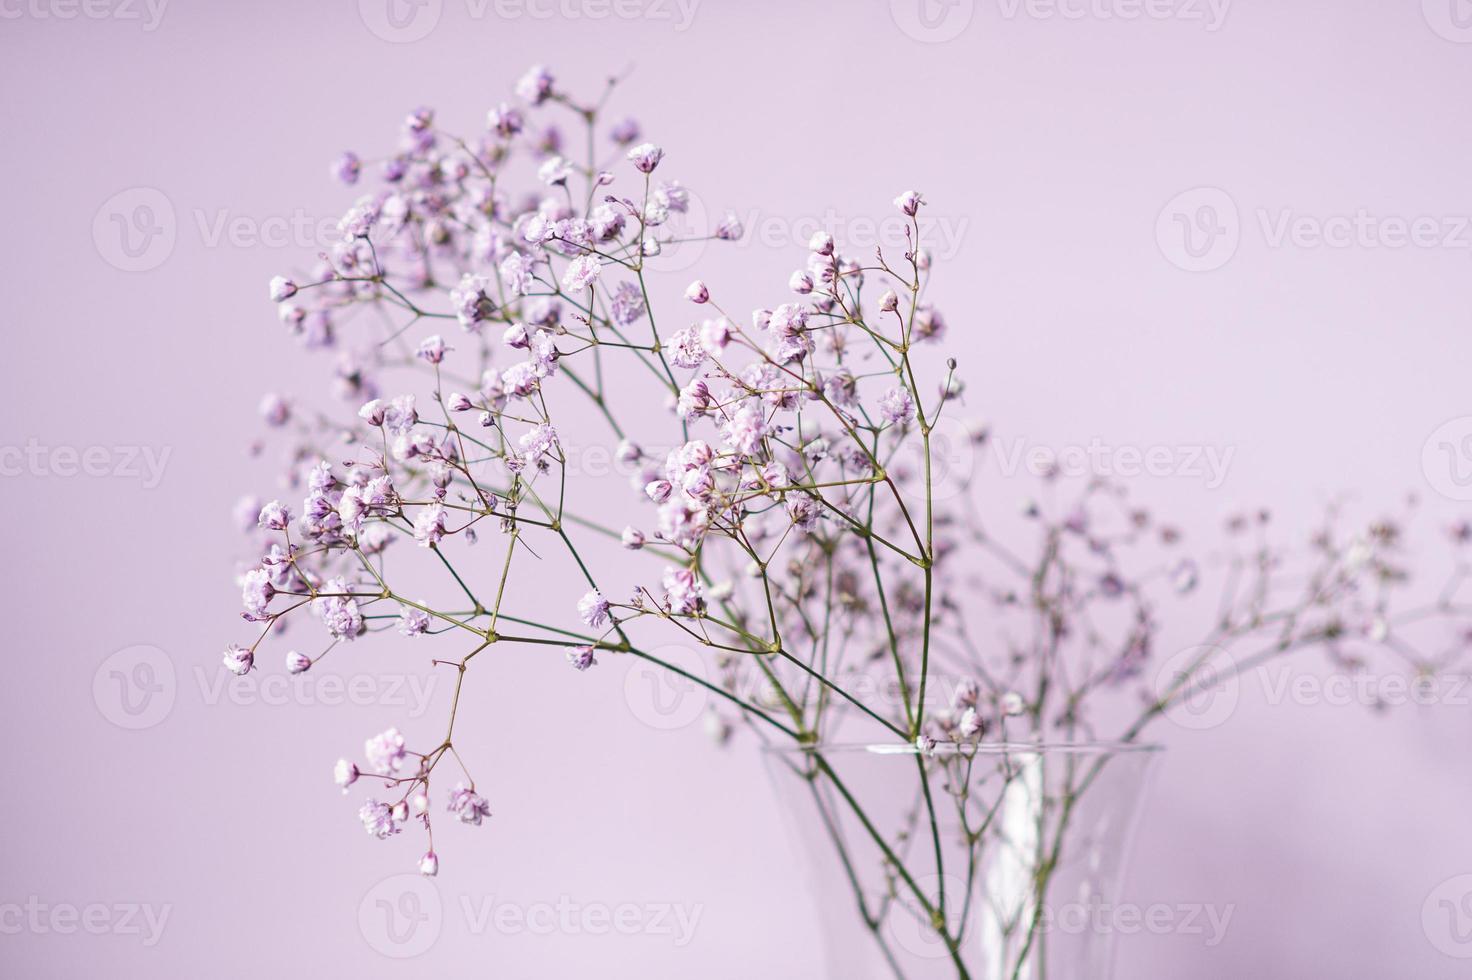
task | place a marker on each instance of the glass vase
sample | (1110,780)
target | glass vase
(976,862)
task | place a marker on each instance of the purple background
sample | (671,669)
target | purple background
(1050,143)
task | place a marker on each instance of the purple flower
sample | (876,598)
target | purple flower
(593,609)
(275,410)
(686,350)
(468,805)
(344,774)
(697,293)
(746,428)
(429,525)
(256,592)
(413,621)
(632,538)
(909,202)
(275,516)
(297,663)
(682,591)
(541,440)
(429,865)
(516,273)
(627,304)
(238,659)
(582,657)
(646,157)
(581,273)
(729,228)
(432,349)
(347,168)
(282,289)
(897,407)
(385,751)
(536,85)
(378,819)
(624,132)
(472,301)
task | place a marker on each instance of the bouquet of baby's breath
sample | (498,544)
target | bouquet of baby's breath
(792,530)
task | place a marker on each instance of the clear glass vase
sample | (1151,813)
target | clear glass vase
(982,862)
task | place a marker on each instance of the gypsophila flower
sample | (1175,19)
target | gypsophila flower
(282,289)
(682,590)
(646,157)
(429,525)
(468,806)
(344,774)
(581,657)
(275,410)
(297,663)
(275,516)
(378,819)
(238,659)
(581,273)
(909,202)
(897,407)
(429,865)
(256,593)
(696,292)
(347,168)
(632,538)
(593,609)
(432,349)
(385,751)
(536,85)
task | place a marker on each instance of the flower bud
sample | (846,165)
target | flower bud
(697,293)
(633,538)
(429,865)
(821,242)
(297,663)
(458,402)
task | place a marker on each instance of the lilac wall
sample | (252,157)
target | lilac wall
(1053,149)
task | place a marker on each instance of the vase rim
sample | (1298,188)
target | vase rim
(981,748)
